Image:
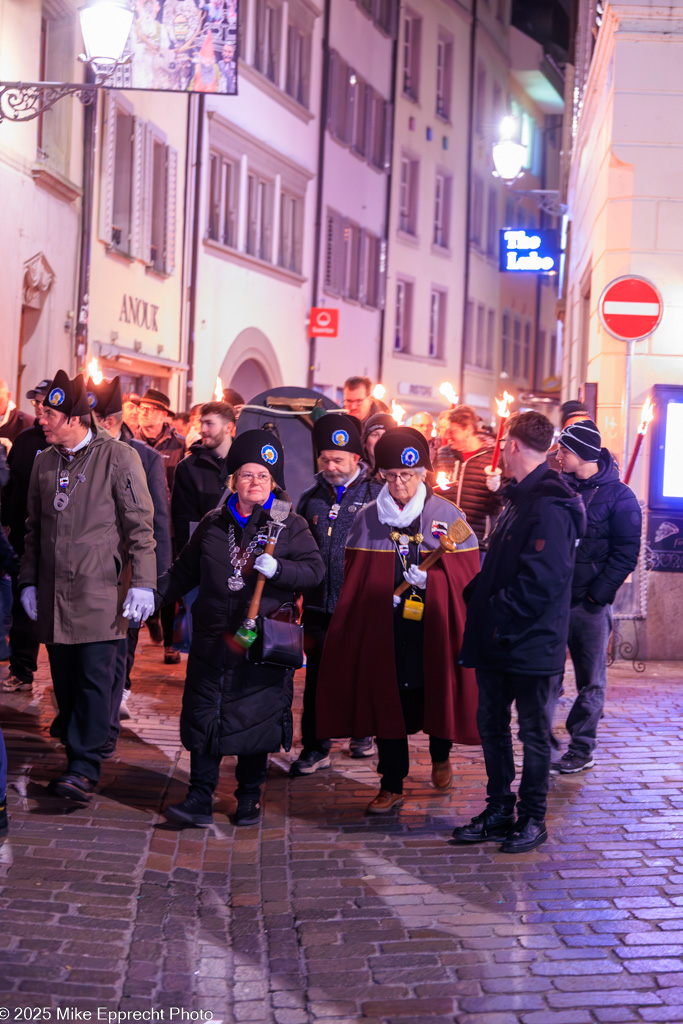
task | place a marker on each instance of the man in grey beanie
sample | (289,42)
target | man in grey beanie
(606,555)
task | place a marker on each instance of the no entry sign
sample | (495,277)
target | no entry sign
(324,322)
(630,308)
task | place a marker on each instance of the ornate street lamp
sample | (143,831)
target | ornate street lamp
(105,25)
(509,156)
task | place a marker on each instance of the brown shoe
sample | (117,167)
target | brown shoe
(442,774)
(384,802)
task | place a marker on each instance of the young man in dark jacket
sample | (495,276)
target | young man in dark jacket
(471,486)
(605,557)
(516,633)
(329,507)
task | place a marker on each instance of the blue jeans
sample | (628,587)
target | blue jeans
(589,631)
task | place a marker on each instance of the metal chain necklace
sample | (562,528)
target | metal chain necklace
(239,558)
(61,498)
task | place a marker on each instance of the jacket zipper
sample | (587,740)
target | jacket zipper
(129,487)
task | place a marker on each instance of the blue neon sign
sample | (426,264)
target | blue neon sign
(536,252)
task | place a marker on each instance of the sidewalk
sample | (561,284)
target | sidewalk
(320,914)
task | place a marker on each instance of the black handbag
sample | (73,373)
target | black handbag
(278,642)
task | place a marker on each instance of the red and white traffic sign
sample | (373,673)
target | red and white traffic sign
(324,322)
(630,308)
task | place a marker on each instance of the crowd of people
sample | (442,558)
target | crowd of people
(415,605)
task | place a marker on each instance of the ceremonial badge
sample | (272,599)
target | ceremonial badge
(439,528)
(340,438)
(60,502)
(56,397)
(334,511)
(268,454)
(92,399)
(410,456)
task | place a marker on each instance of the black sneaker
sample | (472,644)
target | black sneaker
(248,810)
(527,834)
(361,746)
(309,761)
(171,656)
(193,812)
(571,763)
(73,786)
(4,821)
(109,749)
(487,827)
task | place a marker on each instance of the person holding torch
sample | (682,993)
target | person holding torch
(231,704)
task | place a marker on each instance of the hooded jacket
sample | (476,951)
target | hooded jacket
(518,605)
(200,481)
(609,550)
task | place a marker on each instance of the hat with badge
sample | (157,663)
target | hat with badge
(67,396)
(39,391)
(105,398)
(260,447)
(337,432)
(402,448)
(157,399)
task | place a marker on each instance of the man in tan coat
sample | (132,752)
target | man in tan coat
(89,565)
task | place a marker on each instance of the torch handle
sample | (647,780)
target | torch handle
(431,559)
(634,455)
(260,583)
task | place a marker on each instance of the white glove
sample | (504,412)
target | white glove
(266,565)
(416,577)
(139,604)
(397,600)
(493,478)
(29,602)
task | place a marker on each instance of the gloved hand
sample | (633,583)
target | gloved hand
(139,604)
(29,602)
(397,600)
(416,577)
(493,478)
(267,565)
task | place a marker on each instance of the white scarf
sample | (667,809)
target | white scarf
(391,515)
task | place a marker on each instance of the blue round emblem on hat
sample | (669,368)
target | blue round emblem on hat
(56,396)
(410,456)
(268,454)
(92,400)
(340,438)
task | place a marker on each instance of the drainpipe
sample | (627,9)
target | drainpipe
(390,173)
(83,293)
(198,100)
(310,376)
(468,194)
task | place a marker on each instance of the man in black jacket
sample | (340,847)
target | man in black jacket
(201,478)
(516,633)
(342,488)
(605,557)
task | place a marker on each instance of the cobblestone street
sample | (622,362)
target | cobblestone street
(321,914)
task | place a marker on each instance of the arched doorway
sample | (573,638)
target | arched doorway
(250,364)
(249,379)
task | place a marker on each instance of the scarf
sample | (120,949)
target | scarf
(391,515)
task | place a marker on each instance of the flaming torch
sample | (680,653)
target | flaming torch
(379,391)
(503,404)
(442,481)
(218,390)
(94,372)
(448,391)
(398,412)
(646,415)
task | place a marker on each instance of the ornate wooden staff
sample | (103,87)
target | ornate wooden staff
(458,532)
(247,633)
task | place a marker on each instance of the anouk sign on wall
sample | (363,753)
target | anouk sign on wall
(139,312)
(525,251)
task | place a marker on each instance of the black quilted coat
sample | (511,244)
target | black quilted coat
(231,706)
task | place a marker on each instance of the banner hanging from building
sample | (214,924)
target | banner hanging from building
(181,46)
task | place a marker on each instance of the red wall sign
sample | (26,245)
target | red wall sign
(324,322)
(630,308)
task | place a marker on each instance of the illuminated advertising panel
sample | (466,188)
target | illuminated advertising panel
(527,251)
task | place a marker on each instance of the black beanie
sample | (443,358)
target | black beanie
(572,408)
(402,448)
(583,439)
(261,447)
(68,396)
(105,398)
(337,432)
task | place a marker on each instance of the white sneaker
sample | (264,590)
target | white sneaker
(123,710)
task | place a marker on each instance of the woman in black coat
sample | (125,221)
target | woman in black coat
(230,705)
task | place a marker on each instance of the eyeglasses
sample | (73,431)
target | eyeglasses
(37,404)
(353,402)
(149,409)
(260,478)
(392,478)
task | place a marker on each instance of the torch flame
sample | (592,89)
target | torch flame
(448,391)
(398,412)
(646,415)
(504,404)
(94,372)
(442,481)
(218,390)
(379,391)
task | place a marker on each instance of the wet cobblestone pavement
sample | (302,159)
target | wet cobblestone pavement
(322,914)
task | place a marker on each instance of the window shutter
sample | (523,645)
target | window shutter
(297,219)
(252,214)
(260,26)
(267,222)
(387,112)
(135,244)
(171,205)
(144,245)
(332,75)
(382,274)
(108,162)
(363,246)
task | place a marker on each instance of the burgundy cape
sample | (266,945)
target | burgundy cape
(357,693)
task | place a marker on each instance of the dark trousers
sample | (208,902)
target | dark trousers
(119,686)
(84,678)
(589,632)
(250,774)
(315,630)
(132,646)
(167,619)
(3,768)
(497,691)
(23,660)
(394,760)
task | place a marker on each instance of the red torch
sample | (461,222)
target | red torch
(646,415)
(503,404)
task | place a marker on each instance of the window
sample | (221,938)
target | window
(442,211)
(291,227)
(437,323)
(480,343)
(223,200)
(505,344)
(260,217)
(157,199)
(490,335)
(384,13)
(526,351)
(407,202)
(357,115)
(57,41)
(480,101)
(516,346)
(268,28)
(297,83)
(404,311)
(362,115)
(412,31)
(444,74)
(492,222)
(380,132)
(477,209)
(372,269)
(122,224)
(355,261)
(334,253)
(352,249)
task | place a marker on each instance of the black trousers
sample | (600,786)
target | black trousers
(250,774)
(316,625)
(23,660)
(497,691)
(119,686)
(84,678)
(394,759)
